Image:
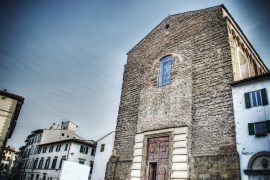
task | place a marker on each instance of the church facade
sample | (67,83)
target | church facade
(176,118)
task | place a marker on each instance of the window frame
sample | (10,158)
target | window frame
(253,128)
(84,149)
(81,161)
(44,149)
(51,148)
(58,148)
(47,163)
(161,80)
(102,147)
(40,164)
(61,161)
(93,151)
(251,98)
(54,162)
(66,147)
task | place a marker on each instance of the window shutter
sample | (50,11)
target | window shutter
(251,129)
(247,100)
(264,97)
(267,126)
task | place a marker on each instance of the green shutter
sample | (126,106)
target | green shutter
(251,129)
(267,126)
(264,97)
(247,100)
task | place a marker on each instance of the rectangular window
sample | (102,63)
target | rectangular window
(35,163)
(37,177)
(40,163)
(54,162)
(93,152)
(51,149)
(259,128)
(81,161)
(165,68)
(62,159)
(91,166)
(66,147)
(38,150)
(44,149)
(47,164)
(102,147)
(84,149)
(81,149)
(256,98)
(58,147)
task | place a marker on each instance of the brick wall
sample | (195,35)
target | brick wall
(198,97)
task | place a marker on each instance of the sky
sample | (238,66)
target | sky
(66,57)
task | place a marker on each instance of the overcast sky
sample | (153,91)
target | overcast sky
(67,57)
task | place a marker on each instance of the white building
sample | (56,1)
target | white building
(46,149)
(251,98)
(103,154)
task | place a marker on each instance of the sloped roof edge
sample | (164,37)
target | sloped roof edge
(187,12)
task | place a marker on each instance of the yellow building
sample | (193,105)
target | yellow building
(10,107)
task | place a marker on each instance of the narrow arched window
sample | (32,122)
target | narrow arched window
(165,68)
(244,67)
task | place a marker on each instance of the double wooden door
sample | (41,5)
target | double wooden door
(157,158)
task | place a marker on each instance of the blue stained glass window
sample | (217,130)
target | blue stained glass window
(165,70)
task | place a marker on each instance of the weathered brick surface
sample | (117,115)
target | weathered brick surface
(219,167)
(198,97)
(118,170)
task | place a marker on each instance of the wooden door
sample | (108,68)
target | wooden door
(157,158)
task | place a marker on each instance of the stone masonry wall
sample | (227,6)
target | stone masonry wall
(212,126)
(198,97)
(126,123)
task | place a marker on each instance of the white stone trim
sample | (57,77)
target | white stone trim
(178,157)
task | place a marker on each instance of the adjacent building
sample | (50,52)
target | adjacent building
(7,162)
(10,107)
(252,124)
(176,114)
(103,153)
(46,149)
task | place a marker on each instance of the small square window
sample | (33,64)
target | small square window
(81,161)
(260,128)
